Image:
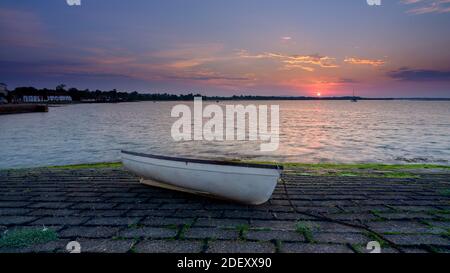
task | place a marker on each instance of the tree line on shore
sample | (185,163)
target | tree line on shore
(117,96)
(94,95)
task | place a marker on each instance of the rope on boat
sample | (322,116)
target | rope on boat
(322,217)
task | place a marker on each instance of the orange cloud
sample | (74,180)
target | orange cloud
(359,61)
(294,61)
(322,61)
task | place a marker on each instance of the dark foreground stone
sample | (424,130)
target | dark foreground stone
(107,210)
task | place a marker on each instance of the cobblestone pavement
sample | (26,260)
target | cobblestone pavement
(107,210)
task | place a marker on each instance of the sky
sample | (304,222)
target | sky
(230,47)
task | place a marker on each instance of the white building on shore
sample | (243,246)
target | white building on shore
(33,99)
(59,98)
(41,99)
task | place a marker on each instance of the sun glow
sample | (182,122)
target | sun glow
(319,94)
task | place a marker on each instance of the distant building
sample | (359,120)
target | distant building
(59,98)
(3,93)
(34,99)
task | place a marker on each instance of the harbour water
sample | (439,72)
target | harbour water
(310,131)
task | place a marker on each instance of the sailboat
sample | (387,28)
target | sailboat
(354,99)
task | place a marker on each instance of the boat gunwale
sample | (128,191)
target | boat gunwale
(205,161)
(199,170)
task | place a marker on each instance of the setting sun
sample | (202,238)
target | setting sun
(319,94)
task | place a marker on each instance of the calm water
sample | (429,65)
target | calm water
(311,131)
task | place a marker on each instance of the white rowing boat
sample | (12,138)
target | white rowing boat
(241,182)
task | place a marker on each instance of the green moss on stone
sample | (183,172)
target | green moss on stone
(27,237)
(90,166)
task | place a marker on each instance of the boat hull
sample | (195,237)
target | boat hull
(243,183)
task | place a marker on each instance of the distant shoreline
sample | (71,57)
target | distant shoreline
(205,98)
(274,99)
(317,99)
(73,95)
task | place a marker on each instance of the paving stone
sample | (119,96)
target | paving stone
(165,221)
(55,228)
(291,216)
(411,208)
(14,198)
(148,232)
(220,223)
(93,206)
(314,248)
(444,216)
(48,247)
(105,246)
(54,212)
(159,246)
(240,247)
(16,220)
(340,238)
(249,214)
(84,199)
(51,205)
(14,211)
(104,213)
(414,250)
(406,216)
(112,221)
(181,206)
(354,216)
(82,194)
(88,232)
(353,209)
(224,206)
(440,224)
(402,227)
(63,198)
(419,240)
(198,213)
(132,200)
(274,235)
(140,212)
(60,221)
(11,204)
(119,194)
(139,206)
(48,199)
(165,213)
(212,233)
(273,225)
(442,249)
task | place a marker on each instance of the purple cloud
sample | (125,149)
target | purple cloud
(418,75)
